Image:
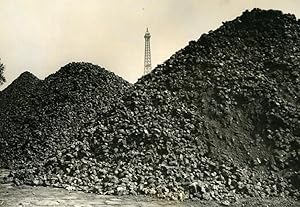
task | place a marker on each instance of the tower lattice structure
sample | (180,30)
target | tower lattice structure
(147,59)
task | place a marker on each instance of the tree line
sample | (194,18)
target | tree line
(2,67)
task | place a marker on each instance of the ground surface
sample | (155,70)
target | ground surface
(27,196)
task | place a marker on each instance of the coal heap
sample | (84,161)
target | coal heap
(218,121)
(58,109)
(14,101)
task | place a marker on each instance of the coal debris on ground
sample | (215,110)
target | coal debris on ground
(219,120)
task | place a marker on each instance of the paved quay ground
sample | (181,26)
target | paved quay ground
(28,196)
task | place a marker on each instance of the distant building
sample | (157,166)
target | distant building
(147,60)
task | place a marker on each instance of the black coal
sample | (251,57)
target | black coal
(56,110)
(14,103)
(219,120)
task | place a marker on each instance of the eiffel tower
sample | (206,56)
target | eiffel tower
(147,60)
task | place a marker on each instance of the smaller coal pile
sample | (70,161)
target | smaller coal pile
(56,111)
(14,102)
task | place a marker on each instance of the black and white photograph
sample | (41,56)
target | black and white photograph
(150,103)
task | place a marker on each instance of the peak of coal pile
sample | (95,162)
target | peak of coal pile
(58,109)
(218,121)
(22,86)
(83,83)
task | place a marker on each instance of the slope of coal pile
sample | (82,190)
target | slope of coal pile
(15,101)
(218,120)
(243,78)
(60,107)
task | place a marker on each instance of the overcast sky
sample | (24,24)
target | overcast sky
(40,36)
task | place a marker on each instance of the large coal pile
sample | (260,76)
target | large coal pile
(218,120)
(58,109)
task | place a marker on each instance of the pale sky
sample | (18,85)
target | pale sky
(40,36)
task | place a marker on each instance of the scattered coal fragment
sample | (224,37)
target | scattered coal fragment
(218,121)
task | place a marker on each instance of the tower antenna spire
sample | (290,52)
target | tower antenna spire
(147,58)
